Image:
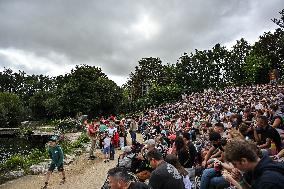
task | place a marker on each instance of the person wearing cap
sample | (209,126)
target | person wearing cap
(56,154)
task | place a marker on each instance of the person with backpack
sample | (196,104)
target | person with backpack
(259,173)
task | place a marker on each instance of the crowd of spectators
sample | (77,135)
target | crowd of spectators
(229,138)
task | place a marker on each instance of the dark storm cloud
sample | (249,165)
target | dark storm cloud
(116,34)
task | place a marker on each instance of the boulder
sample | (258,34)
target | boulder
(69,159)
(39,168)
(14,174)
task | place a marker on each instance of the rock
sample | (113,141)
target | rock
(69,159)
(72,136)
(40,168)
(14,174)
(88,147)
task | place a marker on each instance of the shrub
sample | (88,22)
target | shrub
(13,163)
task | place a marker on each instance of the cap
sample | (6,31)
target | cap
(53,139)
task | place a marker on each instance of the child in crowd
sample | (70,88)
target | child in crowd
(57,156)
(106,143)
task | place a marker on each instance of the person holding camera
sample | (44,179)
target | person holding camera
(212,177)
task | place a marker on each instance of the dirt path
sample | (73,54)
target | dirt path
(82,173)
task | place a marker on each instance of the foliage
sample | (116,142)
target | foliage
(88,90)
(256,68)
(149,70)
(234,67)
(80,141)
(11,110)
(161,94)
(13,163)
(18,161)
(279,22)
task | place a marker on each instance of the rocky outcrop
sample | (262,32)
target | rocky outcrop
(69,159)
(39,168)
(14,174)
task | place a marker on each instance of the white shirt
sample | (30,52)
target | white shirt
(107,142)
(111,131)
(186,181)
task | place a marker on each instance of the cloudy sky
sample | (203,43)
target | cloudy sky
(51,37)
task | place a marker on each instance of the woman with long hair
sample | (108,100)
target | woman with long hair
(182,152)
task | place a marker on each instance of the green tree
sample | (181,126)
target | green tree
(162,94)
(87,89)
(234,66)
(149,70)
(11,110)
(256,69)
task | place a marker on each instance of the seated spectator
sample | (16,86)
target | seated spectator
(217,144)
(246,131)
(119,178)
(125,159)
(219,128)
(235,134)
(260,173)
(173,160)
(183,153)
(191,148)
(165,175)
(267,134)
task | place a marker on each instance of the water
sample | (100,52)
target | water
(16,145)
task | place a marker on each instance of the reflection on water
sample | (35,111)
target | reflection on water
(16,145)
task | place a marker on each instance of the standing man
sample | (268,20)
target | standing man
(132,129)
(93,134)
(165,175)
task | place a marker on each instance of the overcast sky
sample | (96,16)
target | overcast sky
(51,37)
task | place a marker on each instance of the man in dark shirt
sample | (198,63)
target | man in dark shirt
(217,144)
(119,178)
(165,175)
(259,173)
(266,134)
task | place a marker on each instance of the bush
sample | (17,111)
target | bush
(84,138)
(13,163)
